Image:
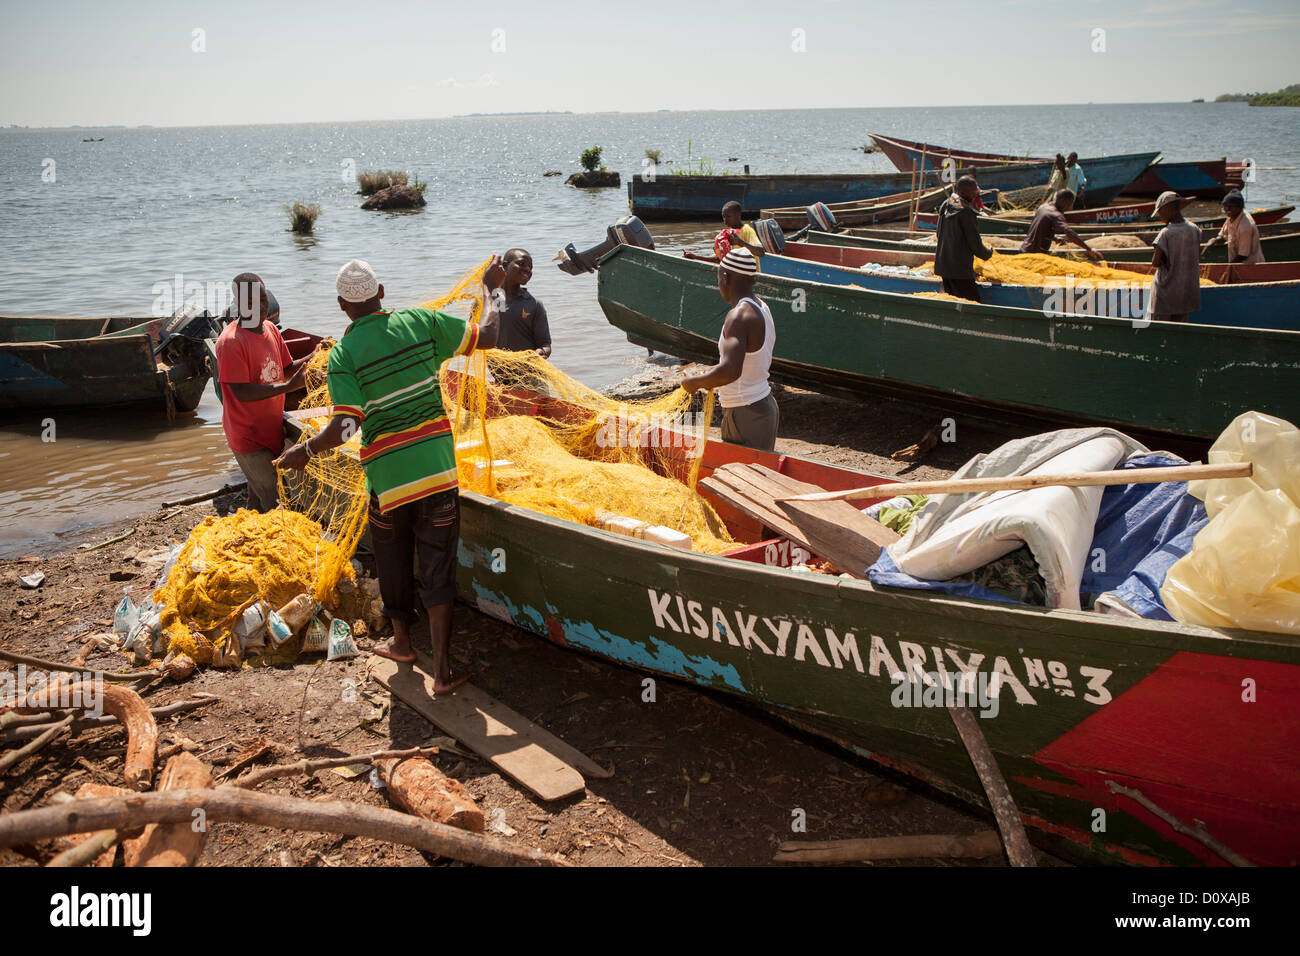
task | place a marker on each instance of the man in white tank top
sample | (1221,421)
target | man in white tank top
(749,413)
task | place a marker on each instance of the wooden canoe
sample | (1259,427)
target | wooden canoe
(1201,179)
(1282,248)
(1261,305)
(1224,273)
(867,212)
(103,362)
(1087,698)
(1268,220)
(1167,378)
(701,197)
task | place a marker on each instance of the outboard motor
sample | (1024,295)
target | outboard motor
(629,231)
(770,236)
(820,217)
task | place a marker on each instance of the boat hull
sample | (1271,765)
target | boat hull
(1176,379)
(1200,179)
(1274,305)
(1279,248)
(702,197)
(1087,700)
(99,363)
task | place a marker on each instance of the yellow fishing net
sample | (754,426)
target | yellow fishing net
(566,451)
(569,452)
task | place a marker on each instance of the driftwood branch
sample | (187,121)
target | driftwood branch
(16,757)
(237,805)
(108,720)
(87,850)
(207,495)
(1198,832)
(323,763)
(123,703)
(1019,852)
(69,669)
(944,846)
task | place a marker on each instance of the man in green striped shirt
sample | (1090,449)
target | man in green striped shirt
(383,381)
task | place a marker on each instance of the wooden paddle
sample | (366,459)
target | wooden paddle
(1129,476)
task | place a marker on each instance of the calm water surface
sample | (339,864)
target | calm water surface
(125,216)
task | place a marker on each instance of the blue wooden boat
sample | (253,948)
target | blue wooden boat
(1262,305)
(702,197)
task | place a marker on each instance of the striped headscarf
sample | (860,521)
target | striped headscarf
(740,261)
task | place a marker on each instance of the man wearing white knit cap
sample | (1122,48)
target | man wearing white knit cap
(749,412)
(383,381)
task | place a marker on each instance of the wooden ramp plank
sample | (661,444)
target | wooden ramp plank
(509,741)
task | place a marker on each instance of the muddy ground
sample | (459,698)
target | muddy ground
(698,779)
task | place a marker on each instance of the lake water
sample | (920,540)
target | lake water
(124,217)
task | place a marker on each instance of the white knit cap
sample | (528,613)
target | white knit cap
(357,282)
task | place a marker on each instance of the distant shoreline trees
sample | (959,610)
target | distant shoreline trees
(1287,96)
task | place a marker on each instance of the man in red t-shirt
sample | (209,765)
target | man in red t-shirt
(256,370)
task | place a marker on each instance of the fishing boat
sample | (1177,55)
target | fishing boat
(1269,220)
(1202,179)
(1088,700)
(868,212)
(1177,379)
(702,197)
(1241,304)
(105,362)
(1281,248)
(1224,273)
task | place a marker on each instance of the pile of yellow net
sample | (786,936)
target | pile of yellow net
(229,563)
(1036,269)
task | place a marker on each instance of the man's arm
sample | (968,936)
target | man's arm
(731,354)
(1074,237)
(250,392)
(489,323)
(339,430)
(974,241)
(542,331)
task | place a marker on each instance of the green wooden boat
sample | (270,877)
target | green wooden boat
(1277,248)
(1157,377)
(49,362)
(1087,699)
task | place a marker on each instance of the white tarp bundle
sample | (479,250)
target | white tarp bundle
(957,533)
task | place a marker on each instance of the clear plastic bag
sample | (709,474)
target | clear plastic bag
(1244,567)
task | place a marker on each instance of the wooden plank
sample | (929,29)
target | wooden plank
(510,742)
(839,533)
(836,530)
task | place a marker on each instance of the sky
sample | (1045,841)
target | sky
(77,62)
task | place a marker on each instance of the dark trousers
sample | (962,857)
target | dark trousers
(962,288)
(429,528)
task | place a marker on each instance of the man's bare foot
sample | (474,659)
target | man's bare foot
(446,688)
(387,649)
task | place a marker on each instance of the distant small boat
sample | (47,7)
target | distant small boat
(1199,99)
(1200,179)
(105,362)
